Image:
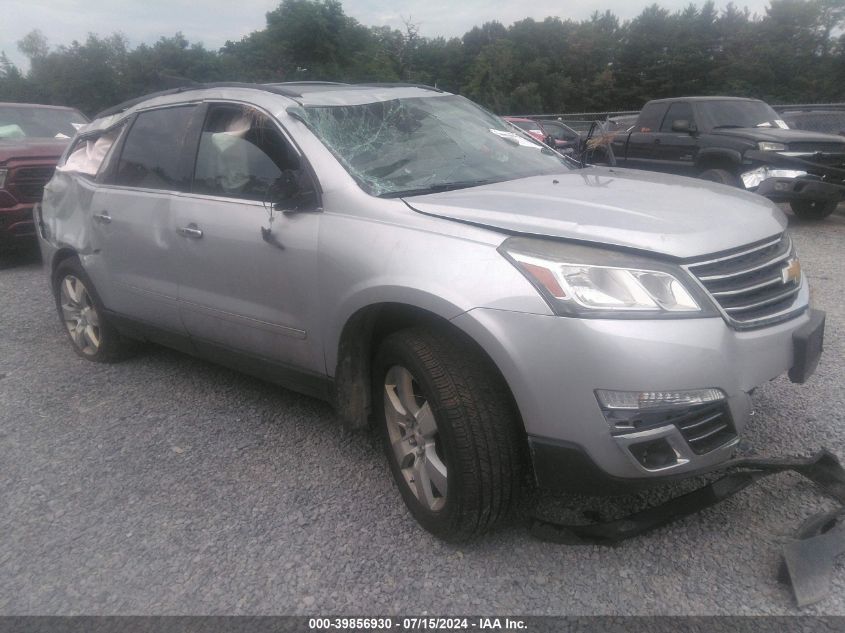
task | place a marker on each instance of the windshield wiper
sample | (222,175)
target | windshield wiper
(721,127)
(446,186)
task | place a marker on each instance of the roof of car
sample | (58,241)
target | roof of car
(35,105)
(305,92)
(699,99)
(797,112)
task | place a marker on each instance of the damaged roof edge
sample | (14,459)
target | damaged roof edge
(279,89)
(292,90)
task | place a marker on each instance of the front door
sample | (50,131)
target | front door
(677,151)
(639,150)
(248,271)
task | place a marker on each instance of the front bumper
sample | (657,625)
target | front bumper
(784,177)
(801,188)
(554,365)
(16,223)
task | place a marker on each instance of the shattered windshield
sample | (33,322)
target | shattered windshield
(727,114)
(424,144)
(17,122)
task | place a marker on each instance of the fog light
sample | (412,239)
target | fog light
(636,410)
(629,400)
(654,454)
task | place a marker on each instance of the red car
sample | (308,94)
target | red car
(553,133)
(32,139)
(532,128)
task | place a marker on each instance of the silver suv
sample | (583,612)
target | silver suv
(493,308)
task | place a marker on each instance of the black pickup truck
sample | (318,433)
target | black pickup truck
(738,142)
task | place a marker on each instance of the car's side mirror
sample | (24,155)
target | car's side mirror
(684,126)
(293,192)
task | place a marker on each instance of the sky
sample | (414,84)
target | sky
(212,22)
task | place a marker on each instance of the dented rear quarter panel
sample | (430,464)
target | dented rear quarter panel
(66,216)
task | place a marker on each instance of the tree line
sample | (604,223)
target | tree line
(793,53)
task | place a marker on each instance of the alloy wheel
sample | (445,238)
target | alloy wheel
(79,315)
(414,438)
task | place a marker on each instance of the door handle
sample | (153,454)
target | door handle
(657,141)
(103,217)
(191,231)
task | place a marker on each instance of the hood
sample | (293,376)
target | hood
(32,148)
(678,217)
(777,135)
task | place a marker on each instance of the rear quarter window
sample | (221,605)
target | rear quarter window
(87,155)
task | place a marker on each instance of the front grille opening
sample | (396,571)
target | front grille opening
(707,429)
(28,182)
(752,286)
(742,262)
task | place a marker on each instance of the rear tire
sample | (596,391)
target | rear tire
(722,176)
(813,209)
(83,316)
(451,432)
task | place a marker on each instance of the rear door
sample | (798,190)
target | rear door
(136,267)
(248,271)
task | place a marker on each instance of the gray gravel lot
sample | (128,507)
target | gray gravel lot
(167,485)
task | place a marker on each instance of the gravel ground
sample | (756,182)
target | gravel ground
(166,485)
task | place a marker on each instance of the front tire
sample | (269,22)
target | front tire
(83,317)
(722,176)
(813,209)
(451,432)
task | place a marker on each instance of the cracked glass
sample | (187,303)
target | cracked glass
(426,144)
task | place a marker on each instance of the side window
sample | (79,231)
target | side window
(559,132)
(677,112)
(88,153)
(243,155)
(152,156)
(650,117)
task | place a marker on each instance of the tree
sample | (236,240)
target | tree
(794,52)
(34,45)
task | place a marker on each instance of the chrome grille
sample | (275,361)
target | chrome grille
(836,148)
(28,182)
(752,286)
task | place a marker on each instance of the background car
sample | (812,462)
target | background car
(737,142)
(621,123)
(530,127)
(563,137)
(32,139)
(826,121)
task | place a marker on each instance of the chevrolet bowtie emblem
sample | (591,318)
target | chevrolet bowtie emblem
(791,272)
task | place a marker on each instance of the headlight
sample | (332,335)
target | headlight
(3,174)
(753,178)
(765,146)
(584,281)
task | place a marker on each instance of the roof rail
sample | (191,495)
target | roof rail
(286,89)
(274,88)
(308,83)
(400,85)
